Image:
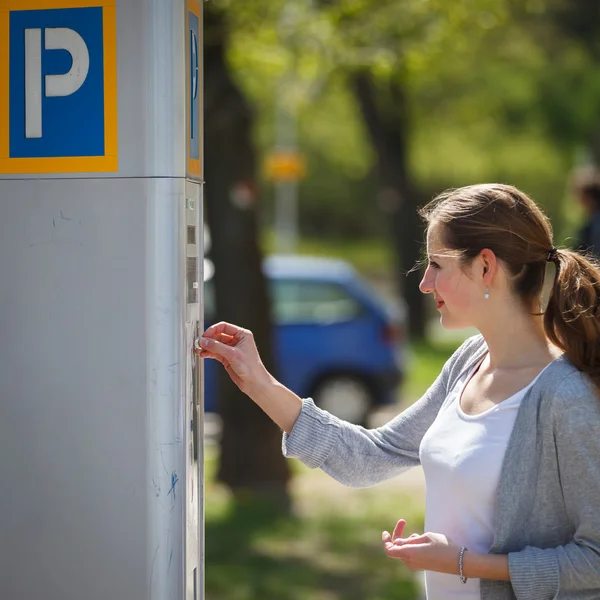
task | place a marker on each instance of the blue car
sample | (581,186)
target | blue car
(336,340)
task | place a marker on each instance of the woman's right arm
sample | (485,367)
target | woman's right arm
(359,457)
(235,349)
(353,455)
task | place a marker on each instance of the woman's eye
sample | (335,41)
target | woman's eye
(434,265)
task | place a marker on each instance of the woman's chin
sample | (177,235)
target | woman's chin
(450,324)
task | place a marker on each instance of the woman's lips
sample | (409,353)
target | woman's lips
(439,304)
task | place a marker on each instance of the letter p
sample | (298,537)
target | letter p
(56,85)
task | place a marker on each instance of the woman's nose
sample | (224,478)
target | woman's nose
(426,286)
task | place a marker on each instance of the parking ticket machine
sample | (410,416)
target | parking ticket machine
(100,264)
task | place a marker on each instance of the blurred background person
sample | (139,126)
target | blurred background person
(586,187)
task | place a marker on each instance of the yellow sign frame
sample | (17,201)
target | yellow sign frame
(63,164)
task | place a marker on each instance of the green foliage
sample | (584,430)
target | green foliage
(371,257)
(498,90)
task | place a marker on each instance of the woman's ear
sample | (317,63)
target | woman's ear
(489,265)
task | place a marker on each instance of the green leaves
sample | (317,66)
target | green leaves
(497,89)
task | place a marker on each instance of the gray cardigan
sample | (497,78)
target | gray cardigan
(548,509)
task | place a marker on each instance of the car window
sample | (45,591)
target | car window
(312,301)
(300,302)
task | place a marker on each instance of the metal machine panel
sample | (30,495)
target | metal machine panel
(97,392)
(100,419)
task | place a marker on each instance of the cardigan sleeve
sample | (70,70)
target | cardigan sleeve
(359,457)
(575,566)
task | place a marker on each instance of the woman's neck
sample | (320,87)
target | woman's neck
(517,341)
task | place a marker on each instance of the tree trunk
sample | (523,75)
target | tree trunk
(385,115)
(250,458)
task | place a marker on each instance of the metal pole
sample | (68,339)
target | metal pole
(286,192)
(286,110)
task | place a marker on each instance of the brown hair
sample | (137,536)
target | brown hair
(505,220)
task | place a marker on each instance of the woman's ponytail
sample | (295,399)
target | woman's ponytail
(572,319)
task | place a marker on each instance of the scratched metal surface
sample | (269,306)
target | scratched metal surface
(94,367)
(92,435)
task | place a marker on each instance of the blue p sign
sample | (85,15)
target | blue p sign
(193,87)
(62,89)
(194,82)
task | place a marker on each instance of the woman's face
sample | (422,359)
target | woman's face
(458,294)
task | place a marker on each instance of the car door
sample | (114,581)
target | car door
(321,327)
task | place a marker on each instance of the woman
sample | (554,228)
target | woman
(508,434)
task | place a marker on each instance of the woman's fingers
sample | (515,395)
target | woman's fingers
(399,529)
(215,347)
(228,340)
(227,328)
(415,538)
(207,354)
(235,348)
(225,333)
(386,538)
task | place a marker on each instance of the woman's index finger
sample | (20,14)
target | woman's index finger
(225,339)
(218,349)
(222,327)
(399,529)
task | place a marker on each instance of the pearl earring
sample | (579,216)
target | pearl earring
(487,293)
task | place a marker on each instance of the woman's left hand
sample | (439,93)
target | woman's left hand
(428,551)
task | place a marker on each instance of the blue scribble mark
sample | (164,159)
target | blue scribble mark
(170,560)
(174,480)
(63,217)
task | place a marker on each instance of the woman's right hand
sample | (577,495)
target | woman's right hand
(235,349)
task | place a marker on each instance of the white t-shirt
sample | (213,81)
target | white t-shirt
(462,457)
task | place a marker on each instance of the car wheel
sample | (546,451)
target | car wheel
(346,397)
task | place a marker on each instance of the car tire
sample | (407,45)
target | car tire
(345,396)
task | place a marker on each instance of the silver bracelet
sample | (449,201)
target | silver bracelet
(463,579)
